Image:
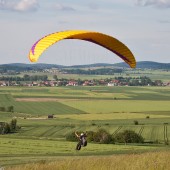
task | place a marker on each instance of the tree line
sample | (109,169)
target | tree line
(104,137)
(7,109)
(25,78)
(101,71)
(137,81)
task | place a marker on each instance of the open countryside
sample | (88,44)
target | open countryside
(81,109)
(84,85)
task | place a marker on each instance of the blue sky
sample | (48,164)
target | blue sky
(143,25)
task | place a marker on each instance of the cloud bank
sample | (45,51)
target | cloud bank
(20,6)
(62,7)
(156,3)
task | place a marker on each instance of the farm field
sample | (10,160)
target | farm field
(81,109)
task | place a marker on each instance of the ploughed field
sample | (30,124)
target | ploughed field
(83,109)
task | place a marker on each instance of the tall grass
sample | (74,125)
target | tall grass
(145,161)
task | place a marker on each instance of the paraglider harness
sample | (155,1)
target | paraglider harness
(82,141)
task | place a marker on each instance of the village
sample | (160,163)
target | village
(117,81)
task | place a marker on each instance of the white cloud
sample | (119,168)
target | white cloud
(5,5)
(26,5)
(21,6)
(156,3)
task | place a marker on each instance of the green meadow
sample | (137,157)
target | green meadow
(81,109)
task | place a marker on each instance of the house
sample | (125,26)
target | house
(114,83)
(72,83)
(110,84)
(88,83)
(102,82)
(3,83)
(167,84)
(53,83)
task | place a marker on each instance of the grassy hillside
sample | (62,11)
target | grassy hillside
(152,161)
(32,150)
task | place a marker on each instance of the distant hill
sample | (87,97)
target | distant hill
(140,64)
(27,67)
(40,66)
(91,65)
(146,65)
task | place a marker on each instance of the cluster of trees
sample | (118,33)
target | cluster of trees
(102,136)
(7,109)
(101,71)
(16,68)
(138,81)
(11,127)
(25,78)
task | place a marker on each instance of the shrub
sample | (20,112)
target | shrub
(13,125)
(136,122)
(1,130)
(102,136)
(90,136)
(6,128)
(128,136)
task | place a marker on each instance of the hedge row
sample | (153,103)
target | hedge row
(102,136)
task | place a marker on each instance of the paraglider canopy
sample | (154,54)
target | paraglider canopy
(101,39)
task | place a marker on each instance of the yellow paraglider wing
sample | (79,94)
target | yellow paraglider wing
(103,40)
